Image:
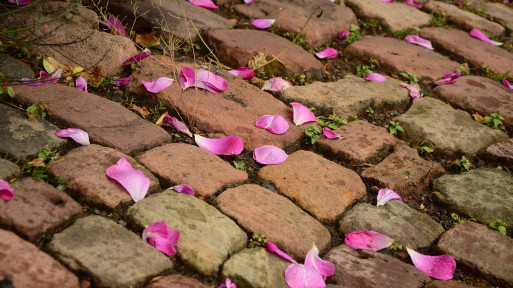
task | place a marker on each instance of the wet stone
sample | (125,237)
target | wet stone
(336,188)
(207,237)
(8,169)
(14,68)
(502,151)
(111,254)
(481,194)
(261,211)
(84,170)
(177,281)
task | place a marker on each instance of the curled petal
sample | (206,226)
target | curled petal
(204,3)
(187,77)
(161,237)
(385,195)
(452,75)
(44,78)
(183,188)
(507,84)
(122,81)
(417,40)
(244,72)
(444,81)
(343,34)
(224,146)
(328,53)
(134,181)
(330,134)
(312,259)
(275,124)
(301,114)
(476,33)
(210,81)
(227,284)
(79,135)
(375,77)
(388,1)
(6,191)
(157,85)
(269,155)
(81,84)
(414,90)
(137,58)
(440,267)
(248,1)
(367,240)
(177,124)
(413,3)
(262,23)
(301,276)
(115,23)
(276,84)
(273,249)
(19,2)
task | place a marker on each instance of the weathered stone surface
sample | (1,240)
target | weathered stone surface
(449,131)
(446,284)
(291,16)
(459,45)
(233,112)
(14,68)
(349,96)
(361,142)
(256,268)
(23,138)
(36,207)
(403,171)
(366,269)
(27,266)
(261,211)
(502,151)
(8,169)
(395,16)
(396,56)
(465,19)
(107,123)
(180,163)
(235,47)
(321,187)
(84,169)
(499,13)
(207,237)
(177,281)
(480,249)
(395,219)
(112,255)
(482,194)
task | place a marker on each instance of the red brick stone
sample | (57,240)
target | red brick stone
(177,281)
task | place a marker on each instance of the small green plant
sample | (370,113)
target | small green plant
(486,72)
(422,149)
(499,226)
(395,247)
(410,77)
(393,127)
(354,117)
(6,92)
(257,240)
(241,165)
(405,32)
(38,110)
(299,40)
(464,163)
(370,24)
(333,122)
(494,120)
(456,219)
(312,133)
(37,167)
(158,108)
(369,111)
(355,34)
(129,102)
(297,79)
(439,19)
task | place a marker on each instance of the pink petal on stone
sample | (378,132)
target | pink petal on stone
(44,78)
(413,3)
(312,259)
(301,114)
(187,77)
(81,84)
(343,34)
(6,191)
(262,23)
(244,72)
(301,276)
(276,85)
(440,267)
(79,135)
(388,1)
(157,85)
(177,124)
(122,81)
(507,84)
(269,155)
(161,237)
(204,3)
(227,284)
(445,81)
(417,40)
(375,77)
(414,90)
(114,22)
(224,146)
(452,75)
(367,240)
(330,134)
(273,249)
(385,195)
(137,58)
(476,33)
(210,81)
(134,181)
(328,53)
(19,2)
(275,124)
(183,188)
(248,1)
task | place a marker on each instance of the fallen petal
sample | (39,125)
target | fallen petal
(476,33)
(183,188)
(343,34)
(301,276)
(273,249)
(275,124)
(161,237)
(413,3)
(276,85)
(19,2)
(210,81)
(417,40)
(301,114)
(440,267)
(6,191)
(330,134)
(79,135)
(414,90)
(204,3)
(244,72)
(187,77)
(137,58)
(248,1)
(367,240)
(328,53)
(122,81)
(115,23)
(134,181)
(507,84)
(224,146)
(177,124)
(262,23)
(388,1)
(44,78)
(312,259)
(385,195)
(81,84)
(269,155)
(452,75)
(227,284)
(375,77)
(445,81)
(157,85)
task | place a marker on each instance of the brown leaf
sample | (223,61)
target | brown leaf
(38,162)
(147,40)
(477,117)
(143,111)
(94,76)
(258,59)
(161,118)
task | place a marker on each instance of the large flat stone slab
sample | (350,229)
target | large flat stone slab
(261,211)
(447,130)
(481,194)
(177,281)
(499,13)
(107,251)
(396,56)
(321,187)
(502,151)
(8,169)
(14,68)
(108,123)
(207,237)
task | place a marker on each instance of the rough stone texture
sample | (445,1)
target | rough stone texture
(449,131)
(361,142)
(36,208)
(482,194)
(459,45)
(291,16)
(14,68)
(321,187)
(396,220)
(8,169)
(480,249)
(349,96)
(396,56)
(235,47)
(478,94)
(446,284)
(261,211)
(180,163)
(395,16)
(177,281)
(112,255)
(233,112)
(23,138)
(107,123)
(256,268)
(366,269)
(465,19)
(404,171)
(499,13)
(502,151)
(84,169)
(26,266)
(207,237)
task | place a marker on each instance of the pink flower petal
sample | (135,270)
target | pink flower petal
(210,81)
(248,1)
(330,134)
(417,40)
(301,276)
(177,124)
(122,81)
(328,53)
(262,23)
(44,78)
(161,237)
(115,23)
(273,249)
(276,85)
(204,3)
(183,188)
(444,81)
(81,84)
(137,58)
(244,72)
(440,267)
(452,75)
(507,84)
(312,259)
(227,284)
(19,2)
(301,114)
(388,1)
(414,90)
(79,135)
(187,77)
(476,33)
(385,195)
(157,85)
(224,146)
(343,34)
(413,3)
(375,77)
(367,240)
(6,191)
(269,155)
(275,124)
(134,181)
